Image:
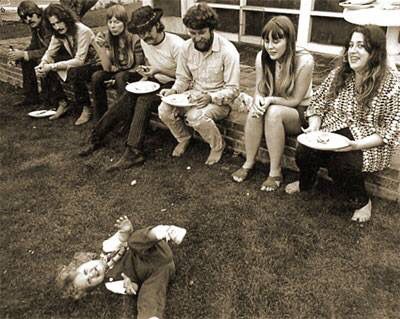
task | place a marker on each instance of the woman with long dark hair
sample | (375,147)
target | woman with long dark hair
(283,91)
(360,99)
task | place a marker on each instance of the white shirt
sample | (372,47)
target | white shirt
(164,55)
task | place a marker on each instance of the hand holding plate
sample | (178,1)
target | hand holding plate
(166,92)
(353,146)
(200,100)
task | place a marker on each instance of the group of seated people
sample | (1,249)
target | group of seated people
(360,98)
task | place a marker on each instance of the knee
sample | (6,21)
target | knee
(121,78)
(165,112)
(273,114)
(194,117)
(97,78)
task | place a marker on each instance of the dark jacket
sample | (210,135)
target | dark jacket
(39,42)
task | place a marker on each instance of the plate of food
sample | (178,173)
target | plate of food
(357,4)
(323,141)
(42,113)
(179,100)
(142,87)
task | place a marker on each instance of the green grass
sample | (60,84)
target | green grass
(247,254)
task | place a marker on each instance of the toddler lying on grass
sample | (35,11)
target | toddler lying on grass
(141,260)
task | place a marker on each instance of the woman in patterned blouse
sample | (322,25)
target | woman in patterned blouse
(360,100)
(283,92)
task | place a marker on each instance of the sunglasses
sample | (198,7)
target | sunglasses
(27,15)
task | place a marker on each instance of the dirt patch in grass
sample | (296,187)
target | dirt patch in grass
(247,254)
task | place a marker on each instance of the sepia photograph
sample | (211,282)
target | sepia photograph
(185,159)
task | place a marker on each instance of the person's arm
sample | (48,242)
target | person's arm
(319,98)
(84,39)
(54,46)
(301,85)
(367,142)
(230,91)
(99,44)
(183,74)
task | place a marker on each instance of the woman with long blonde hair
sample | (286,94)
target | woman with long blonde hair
(120,52)
(283,91)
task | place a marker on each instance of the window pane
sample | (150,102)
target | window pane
(288,4)
(224,1)
(323,5)
(255,21)
(171,8)
(330,30)
(228,20)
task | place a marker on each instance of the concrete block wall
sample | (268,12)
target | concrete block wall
(385,184)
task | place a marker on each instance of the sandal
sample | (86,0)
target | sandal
(272,183)
(241,174)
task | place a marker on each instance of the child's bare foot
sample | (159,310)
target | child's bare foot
(363,214)
(215,155)
(176,234)
(181,148)
(292,188)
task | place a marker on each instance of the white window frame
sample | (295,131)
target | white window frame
(305,13)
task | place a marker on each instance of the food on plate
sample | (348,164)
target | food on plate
(323,138)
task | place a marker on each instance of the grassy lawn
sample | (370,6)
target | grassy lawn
(247,254)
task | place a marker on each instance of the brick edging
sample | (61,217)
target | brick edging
(384,184)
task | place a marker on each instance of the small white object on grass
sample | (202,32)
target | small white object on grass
(133,183)
(188,168)
(163,209)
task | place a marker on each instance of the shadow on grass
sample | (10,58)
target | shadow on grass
(247,254)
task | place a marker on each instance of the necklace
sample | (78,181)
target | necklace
(110,259)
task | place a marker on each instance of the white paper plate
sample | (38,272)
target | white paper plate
(42,113)
(355,6)
(142,87)
(179,100)
(323,141)
(116,287)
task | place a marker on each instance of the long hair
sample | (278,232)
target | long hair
(118,12)
(279,27)
(28,7)
(67,273)
(375,45)
(63,15)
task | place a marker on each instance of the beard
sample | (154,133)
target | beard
(204,46)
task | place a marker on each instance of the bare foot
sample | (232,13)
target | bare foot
(214,156)
(293,187)
(363,214)
(181,148)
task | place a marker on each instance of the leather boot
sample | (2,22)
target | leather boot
(90,149)
(61,110)
(85,116)
(130,158)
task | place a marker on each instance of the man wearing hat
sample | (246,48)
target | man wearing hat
(161,50)
(32,15)
(209,64)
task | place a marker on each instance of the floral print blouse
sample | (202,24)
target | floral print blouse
(383,116)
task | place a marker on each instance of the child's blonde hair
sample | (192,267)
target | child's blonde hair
(66,275)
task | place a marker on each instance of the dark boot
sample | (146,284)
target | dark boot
(90,149)
(130,158)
